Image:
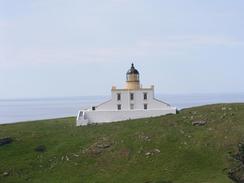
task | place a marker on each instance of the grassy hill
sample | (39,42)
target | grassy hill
(167,149)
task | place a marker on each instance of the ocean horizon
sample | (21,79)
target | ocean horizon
(19,110)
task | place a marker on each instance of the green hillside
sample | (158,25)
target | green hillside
(167,149)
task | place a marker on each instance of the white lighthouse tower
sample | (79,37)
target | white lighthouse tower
(131,102)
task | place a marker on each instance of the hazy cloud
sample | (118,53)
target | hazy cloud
(153,46)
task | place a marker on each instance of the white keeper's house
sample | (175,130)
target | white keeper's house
(131,102)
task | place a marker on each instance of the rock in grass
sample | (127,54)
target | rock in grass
(5,174)
(41,148)
(240,155)
(157,151)
(152,152)
(103,145)
(148,153)
(199,123)
(98,147)
(223,108)
(237,174)
(5,140)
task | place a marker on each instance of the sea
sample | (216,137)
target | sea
(19,110)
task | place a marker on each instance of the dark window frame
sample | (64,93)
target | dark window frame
(118,96)
(145,96)
(145,106)
(119,107)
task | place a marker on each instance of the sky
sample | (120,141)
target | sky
(60,48)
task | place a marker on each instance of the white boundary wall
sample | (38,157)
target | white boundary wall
(112,116)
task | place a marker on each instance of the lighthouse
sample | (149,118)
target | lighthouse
(130,102)
(132,79)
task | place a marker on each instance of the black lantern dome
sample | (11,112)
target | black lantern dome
(132,74)
(132,70)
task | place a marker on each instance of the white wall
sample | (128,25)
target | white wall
(138,100)
(110,116)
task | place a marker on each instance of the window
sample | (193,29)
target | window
(131,106)
(119,106)
(137,77)
(93,108)
(145,96)
(131,96)
(118,96)
(145,106)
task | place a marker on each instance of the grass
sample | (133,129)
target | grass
(167,149)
